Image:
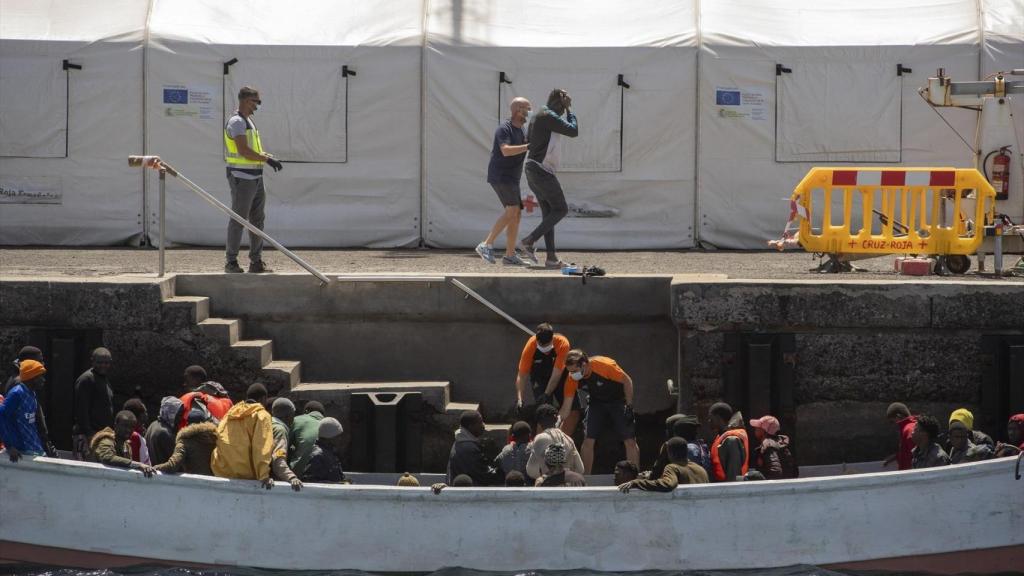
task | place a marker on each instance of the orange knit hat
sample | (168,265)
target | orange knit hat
(30,369)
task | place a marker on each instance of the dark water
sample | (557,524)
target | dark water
(165,571)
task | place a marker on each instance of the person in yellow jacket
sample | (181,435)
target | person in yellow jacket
(245,440)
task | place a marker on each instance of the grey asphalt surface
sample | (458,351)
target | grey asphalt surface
(97,262)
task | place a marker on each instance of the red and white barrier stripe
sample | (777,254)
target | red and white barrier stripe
(894,178)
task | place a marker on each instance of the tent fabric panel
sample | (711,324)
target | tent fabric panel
(648,204)
(100,196)
(823,115)
(815,23)
(743,194)
(73,20)
(552,23)
(33,106)
(274,23)
(372,200)
(306,108)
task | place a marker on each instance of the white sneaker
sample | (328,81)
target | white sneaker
(485,252)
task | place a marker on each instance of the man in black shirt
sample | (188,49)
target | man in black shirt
(545,136)
(94,401)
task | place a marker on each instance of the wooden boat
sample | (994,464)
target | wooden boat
(967,518)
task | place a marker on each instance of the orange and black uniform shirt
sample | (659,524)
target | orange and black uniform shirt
(539,365)
(604,383)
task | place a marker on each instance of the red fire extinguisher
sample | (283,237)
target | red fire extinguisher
(1000,179)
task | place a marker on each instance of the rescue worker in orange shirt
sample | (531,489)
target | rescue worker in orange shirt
(610,392)
(542,365)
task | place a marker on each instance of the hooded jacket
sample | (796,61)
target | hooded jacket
(244,443)
(107,450)
(774,459)
(535,466)
(160,434)
(193,450)
(467,457)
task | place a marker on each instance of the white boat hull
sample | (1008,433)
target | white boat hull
(57,511)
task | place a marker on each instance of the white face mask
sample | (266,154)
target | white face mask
(577,375)
(545,349)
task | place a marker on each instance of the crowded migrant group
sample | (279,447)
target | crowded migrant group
(199,432)
(202,431)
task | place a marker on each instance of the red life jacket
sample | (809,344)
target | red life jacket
(217,407)
(716,461)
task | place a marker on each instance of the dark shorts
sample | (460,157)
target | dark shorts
(604,415)
(508,193)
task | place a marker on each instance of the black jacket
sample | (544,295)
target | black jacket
(94,404)
(467,457)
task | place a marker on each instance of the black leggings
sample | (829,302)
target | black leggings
(553,208)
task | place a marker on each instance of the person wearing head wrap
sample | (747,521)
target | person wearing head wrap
(555,457)
(324,465)
(94,402)
(33,353)
(977,437)
(678,471)
(160,435)
(961,447)
(1014,444)
(18,429)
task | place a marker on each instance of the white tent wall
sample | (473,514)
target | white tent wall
(359,188)
(743,187)
(89,197)
(1003,50)
(641,199)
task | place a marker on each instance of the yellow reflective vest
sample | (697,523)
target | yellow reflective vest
(231,154)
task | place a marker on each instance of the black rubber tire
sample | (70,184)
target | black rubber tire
(958,263)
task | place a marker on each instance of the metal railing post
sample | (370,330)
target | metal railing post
(163,209)
(156,163)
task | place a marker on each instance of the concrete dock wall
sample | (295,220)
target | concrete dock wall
(857,346)
(838,352)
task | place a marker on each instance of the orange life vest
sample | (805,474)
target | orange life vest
(716,462)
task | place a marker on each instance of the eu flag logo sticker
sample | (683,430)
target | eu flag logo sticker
(727,98)
(175,96)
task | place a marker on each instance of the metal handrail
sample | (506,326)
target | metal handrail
(164,168)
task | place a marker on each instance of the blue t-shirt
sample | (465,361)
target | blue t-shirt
(506,169)
(18,421)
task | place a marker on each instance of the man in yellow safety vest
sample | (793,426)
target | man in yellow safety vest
(244,156)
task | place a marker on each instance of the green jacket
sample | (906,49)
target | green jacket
(305,431)
(106,450)
(674,475)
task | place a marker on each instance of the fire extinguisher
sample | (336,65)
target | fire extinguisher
(1000,179)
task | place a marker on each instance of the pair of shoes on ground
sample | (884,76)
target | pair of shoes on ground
(254,268)
(518,258)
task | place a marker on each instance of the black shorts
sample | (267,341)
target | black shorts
(508,193)
(603,415)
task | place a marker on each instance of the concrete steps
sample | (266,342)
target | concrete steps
(258,353)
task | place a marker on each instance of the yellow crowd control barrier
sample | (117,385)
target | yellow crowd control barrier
(898,210)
